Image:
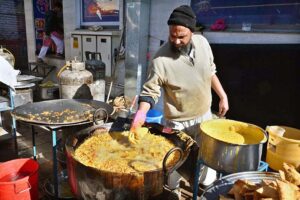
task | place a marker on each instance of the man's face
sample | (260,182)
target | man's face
(179,36)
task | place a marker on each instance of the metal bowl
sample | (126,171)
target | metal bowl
(223,185)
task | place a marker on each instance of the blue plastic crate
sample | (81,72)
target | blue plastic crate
(263,166)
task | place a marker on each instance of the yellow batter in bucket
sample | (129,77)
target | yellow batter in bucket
(233,132)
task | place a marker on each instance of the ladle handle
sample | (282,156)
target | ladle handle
(167,171)
(95,120)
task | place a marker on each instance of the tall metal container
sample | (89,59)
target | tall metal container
(75,81)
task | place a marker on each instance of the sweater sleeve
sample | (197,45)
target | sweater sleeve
(152,86)
(211,60)
(210,55)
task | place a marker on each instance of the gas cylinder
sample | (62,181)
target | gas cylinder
(75,81)
(7,55)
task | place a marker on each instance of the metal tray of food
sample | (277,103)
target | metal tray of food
(60,112)
(223,185)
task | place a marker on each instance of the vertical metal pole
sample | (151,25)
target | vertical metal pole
(33,142)
(55,178)
(14,129)
(12,104)
(137,43)
(196,180)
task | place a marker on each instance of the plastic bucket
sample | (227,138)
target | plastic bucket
(19,179)
(283,146)
(154,116)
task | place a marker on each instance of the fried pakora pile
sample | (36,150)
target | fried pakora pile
(288,188)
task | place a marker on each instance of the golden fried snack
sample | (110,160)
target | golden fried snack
(122,102)
(268,192)
(249,195)
(256,196)
(242,187)
(269,183)
(225,198)
(282,175)
(286,191)
(298,195)
(291,174)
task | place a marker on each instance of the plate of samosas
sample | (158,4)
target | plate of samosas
(254,185)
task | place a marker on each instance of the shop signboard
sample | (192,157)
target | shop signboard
(40,8)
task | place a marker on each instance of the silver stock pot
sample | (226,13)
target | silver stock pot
(228,157)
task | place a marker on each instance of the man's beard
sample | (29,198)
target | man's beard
(185,49)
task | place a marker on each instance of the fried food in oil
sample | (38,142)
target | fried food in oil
(112,151)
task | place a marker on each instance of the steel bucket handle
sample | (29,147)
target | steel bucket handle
(167,171)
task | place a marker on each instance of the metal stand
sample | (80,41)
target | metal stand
(33,142)
(54,156)
(55,174)
(196,179)
(14,126)
(12,105)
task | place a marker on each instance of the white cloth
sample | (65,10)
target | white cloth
(8,75)
(192,128)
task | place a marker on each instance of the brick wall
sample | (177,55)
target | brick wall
(12,30)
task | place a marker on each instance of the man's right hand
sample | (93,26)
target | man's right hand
(138,120)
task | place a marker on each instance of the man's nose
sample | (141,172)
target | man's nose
(177,41)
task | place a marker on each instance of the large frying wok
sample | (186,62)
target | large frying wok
(91,183)
(61,112)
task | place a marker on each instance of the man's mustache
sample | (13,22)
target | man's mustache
(181,49)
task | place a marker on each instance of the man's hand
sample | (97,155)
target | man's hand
(138,121)
(223,106)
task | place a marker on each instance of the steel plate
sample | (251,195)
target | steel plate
(222,186)
(25,77)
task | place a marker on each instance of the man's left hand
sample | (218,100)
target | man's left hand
(223,107)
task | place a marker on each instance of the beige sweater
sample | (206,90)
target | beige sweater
(187,86)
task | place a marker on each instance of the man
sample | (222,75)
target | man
(53,31)
(185,70)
